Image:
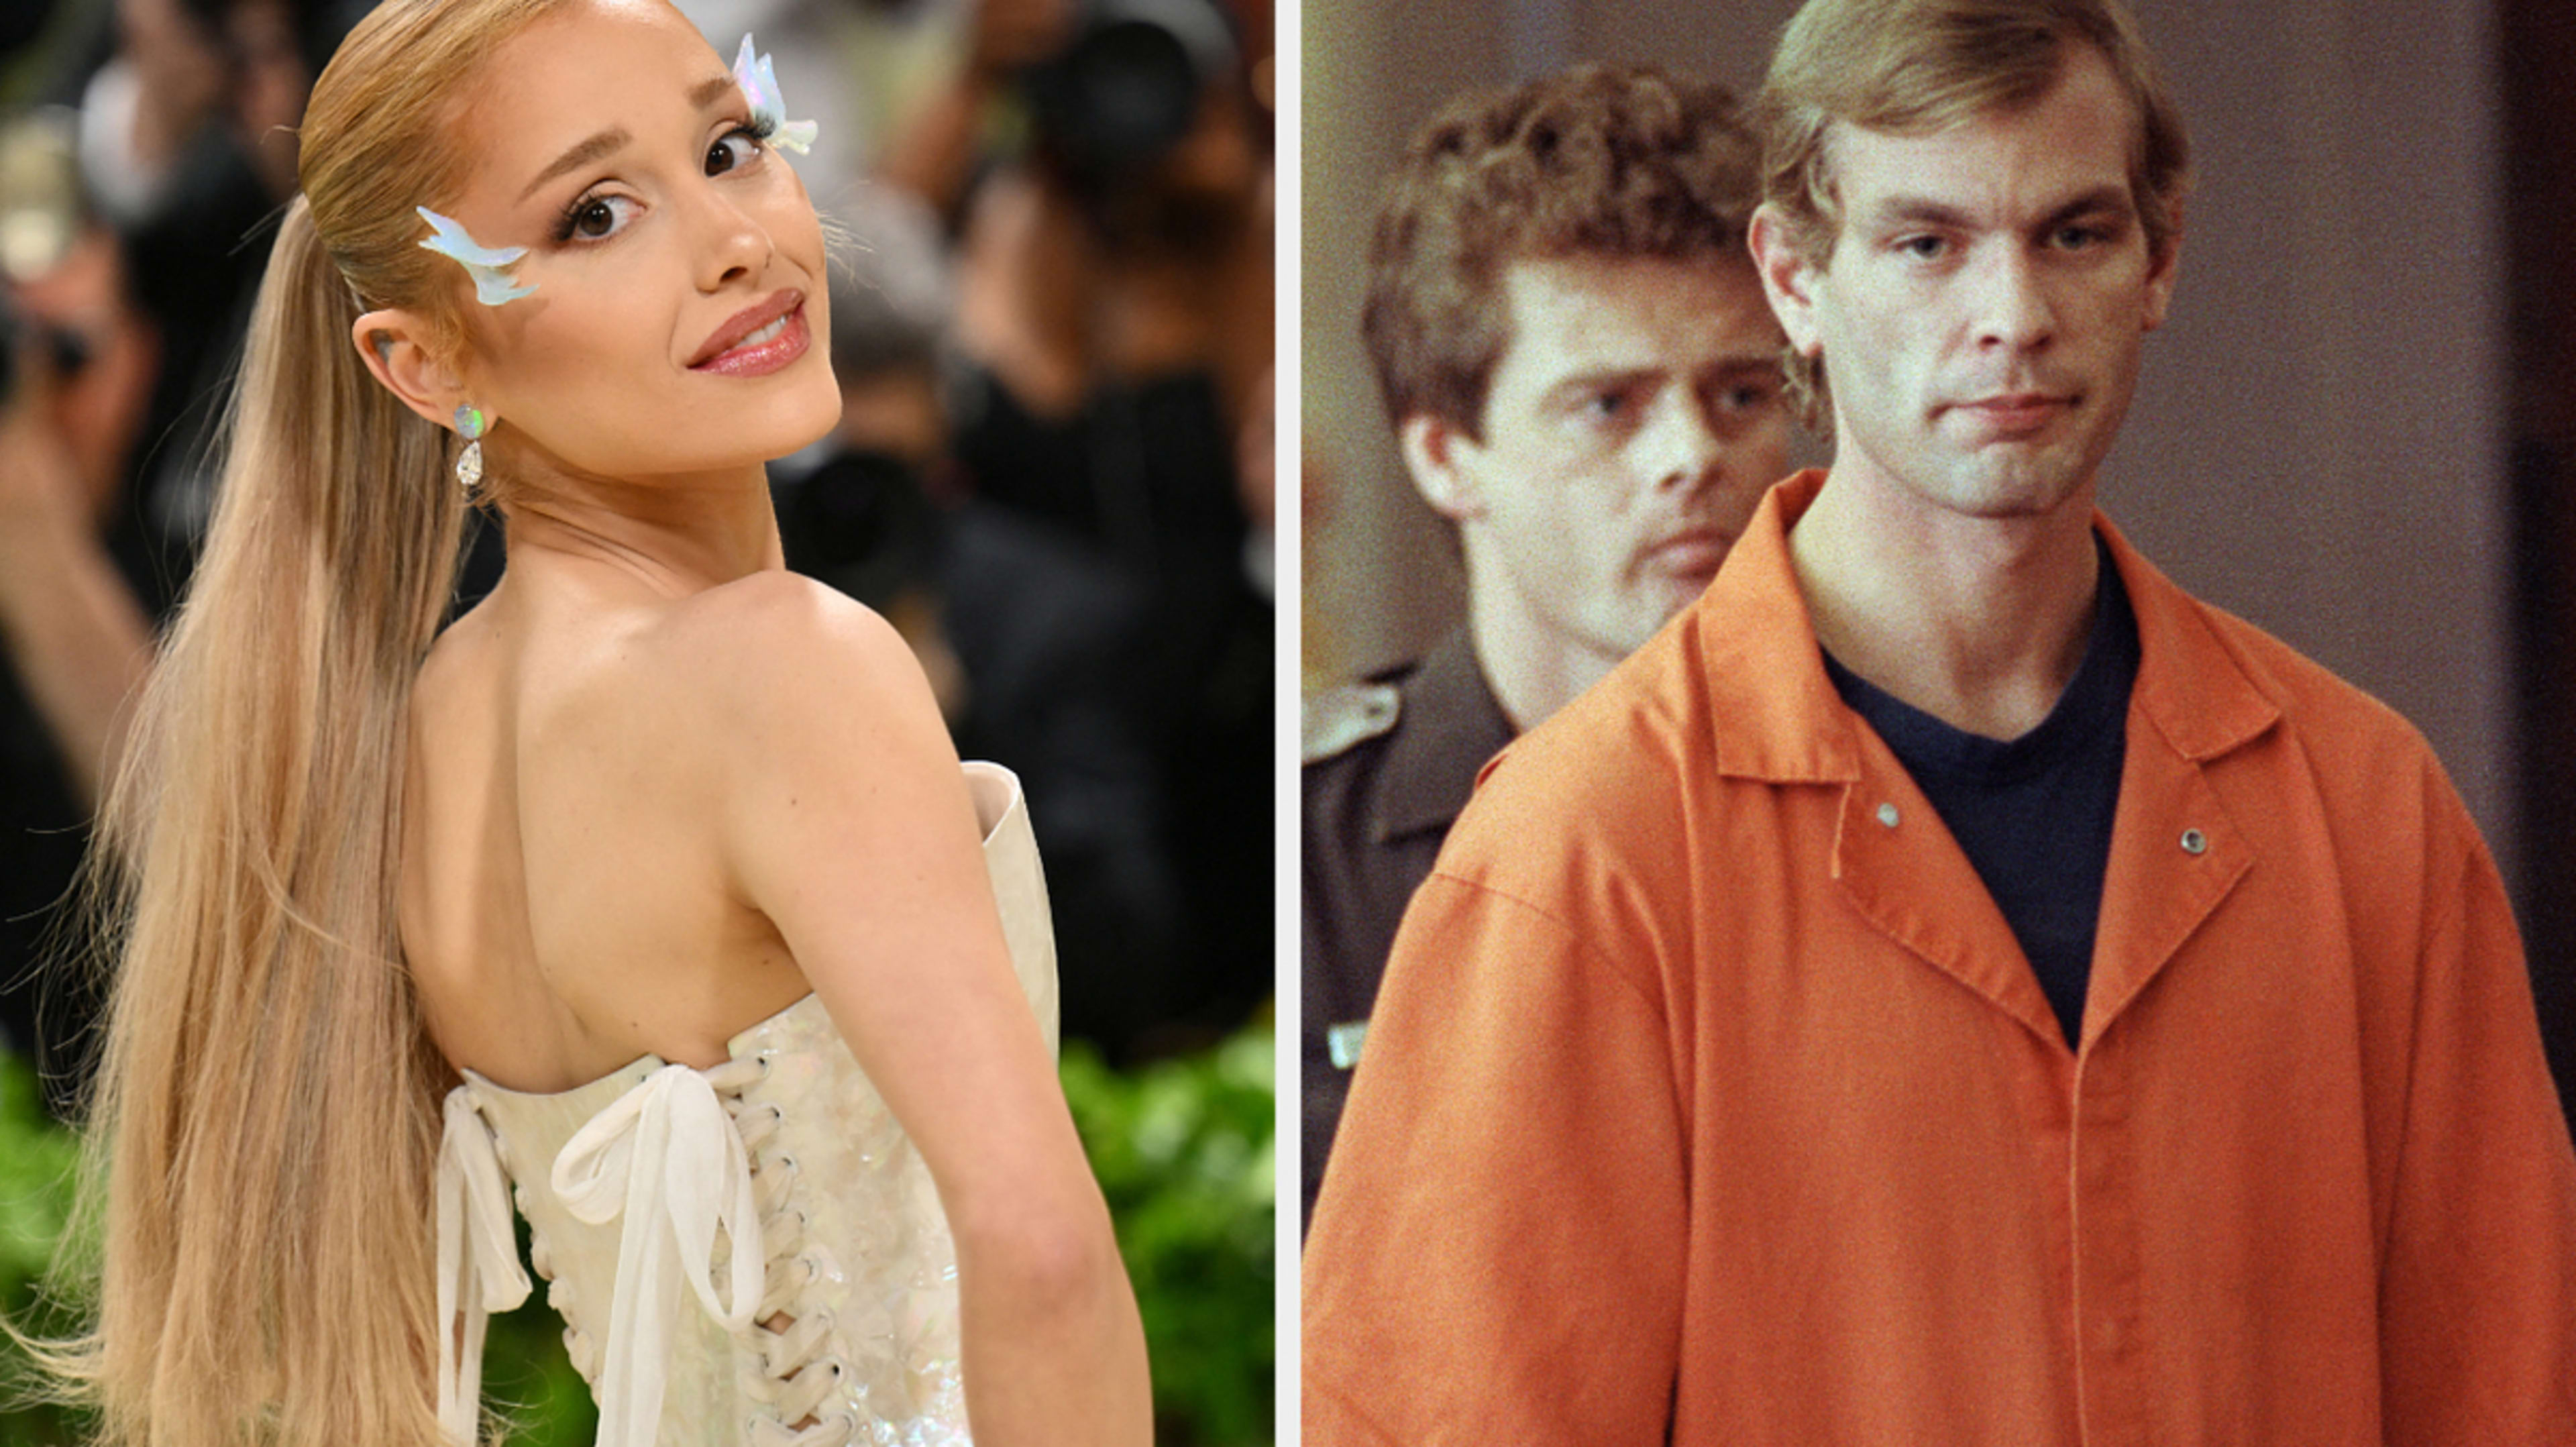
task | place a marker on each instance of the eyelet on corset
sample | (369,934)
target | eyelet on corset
(757,1123)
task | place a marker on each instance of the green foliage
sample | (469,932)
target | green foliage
(1184,1152)
(39,1171)
(529,1381)
(37,1162)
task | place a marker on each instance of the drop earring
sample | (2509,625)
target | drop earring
(470,424)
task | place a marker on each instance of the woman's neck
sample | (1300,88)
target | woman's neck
(677,535)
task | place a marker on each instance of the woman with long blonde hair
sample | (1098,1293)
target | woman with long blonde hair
(650,890)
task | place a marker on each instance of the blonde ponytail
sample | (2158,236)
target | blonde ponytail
(266,1097)
(266,1115)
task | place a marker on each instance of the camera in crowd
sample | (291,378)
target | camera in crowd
(41,216)
(1128,86)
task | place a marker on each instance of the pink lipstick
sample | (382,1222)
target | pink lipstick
(757,340)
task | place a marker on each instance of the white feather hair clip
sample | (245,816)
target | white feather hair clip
(760,86)
(493,283)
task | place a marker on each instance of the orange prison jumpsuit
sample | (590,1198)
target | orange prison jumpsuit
(1708,1087)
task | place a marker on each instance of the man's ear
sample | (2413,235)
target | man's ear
(2163,264)
(395,346)
(1788,279)
(1437,452)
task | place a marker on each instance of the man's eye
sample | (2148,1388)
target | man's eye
(1922,248)
(1596,403)
(1749,396)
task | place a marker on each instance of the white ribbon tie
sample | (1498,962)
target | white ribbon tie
(667,1157)
(478,1261)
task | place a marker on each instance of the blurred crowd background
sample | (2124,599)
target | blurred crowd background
(1053,332)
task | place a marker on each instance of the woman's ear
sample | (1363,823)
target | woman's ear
(395,344)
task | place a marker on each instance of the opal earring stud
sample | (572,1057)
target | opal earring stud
(470,425)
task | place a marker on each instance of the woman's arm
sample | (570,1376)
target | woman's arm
(848,824)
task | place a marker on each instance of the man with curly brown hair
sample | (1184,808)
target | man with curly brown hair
(1585,381)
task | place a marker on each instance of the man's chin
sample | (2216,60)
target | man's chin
(1671,593)
(2020,488)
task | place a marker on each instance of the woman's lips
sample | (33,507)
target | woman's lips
(765,348)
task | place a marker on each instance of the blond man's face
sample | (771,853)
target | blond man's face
(1990,288)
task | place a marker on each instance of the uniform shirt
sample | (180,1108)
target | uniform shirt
(1388,765)
(1709,1093)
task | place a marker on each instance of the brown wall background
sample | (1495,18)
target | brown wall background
(2320,441)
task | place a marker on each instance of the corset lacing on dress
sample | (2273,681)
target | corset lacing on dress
(707,1199)
(777,1187)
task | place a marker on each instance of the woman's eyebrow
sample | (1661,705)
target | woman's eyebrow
(702,95)
(606,143)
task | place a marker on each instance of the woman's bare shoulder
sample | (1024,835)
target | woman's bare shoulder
(762,641)
(777,639)
(822,728)
(776,671)
(769,665)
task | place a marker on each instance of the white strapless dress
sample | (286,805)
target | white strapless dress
(748,1254)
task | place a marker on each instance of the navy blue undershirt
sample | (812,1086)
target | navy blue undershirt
(2032,814)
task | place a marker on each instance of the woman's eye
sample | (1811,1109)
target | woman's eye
(600,216)
(1922,248)
(736,148)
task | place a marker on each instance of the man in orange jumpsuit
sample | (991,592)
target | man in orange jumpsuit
(1951,987)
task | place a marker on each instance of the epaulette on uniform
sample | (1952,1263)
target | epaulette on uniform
(1338,718)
